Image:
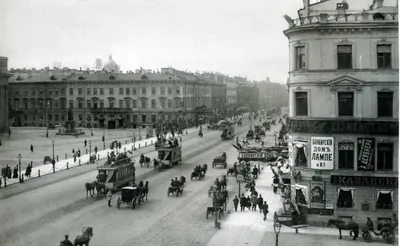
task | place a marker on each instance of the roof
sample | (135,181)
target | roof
(36,77)
(129,188)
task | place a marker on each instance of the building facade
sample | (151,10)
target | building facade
(111,100)
(272,94)
(343,110)
(4,113)
(247,95)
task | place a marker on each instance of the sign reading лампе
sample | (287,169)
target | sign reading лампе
(365,156)
(322,153)
(365,181)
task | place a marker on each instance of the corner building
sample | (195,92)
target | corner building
(343,101)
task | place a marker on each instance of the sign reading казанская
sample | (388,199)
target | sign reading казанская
(322,153)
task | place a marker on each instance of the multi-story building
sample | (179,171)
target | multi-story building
(272,95)
(343,122)
(247,94)
(111,100)
(4,76)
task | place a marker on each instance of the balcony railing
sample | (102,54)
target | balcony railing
(325,18)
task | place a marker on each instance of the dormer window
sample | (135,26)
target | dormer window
(112,77)
(144,76)
(81,78)
(378,16)
(19,78)
(52,77)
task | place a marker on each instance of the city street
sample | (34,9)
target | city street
(21,138)
(62,208)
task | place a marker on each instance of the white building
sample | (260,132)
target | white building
(343,122)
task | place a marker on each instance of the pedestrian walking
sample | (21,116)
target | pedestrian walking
(260,201)
(73,151)
(31,148)
(85,143)
(248,202)
(254,202)
(109,195)
(66,242)
(235,203)
(265,210)
(242,203)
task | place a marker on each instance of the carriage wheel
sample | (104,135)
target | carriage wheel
(177,193)
(367,236)
(389,237)
(118,204)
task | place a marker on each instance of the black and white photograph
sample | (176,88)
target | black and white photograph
(199,123)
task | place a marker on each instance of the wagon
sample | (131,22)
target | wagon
(220,160)
(128,196)
(250,134)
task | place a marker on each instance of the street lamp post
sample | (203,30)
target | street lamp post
(277,230)
(90,150)
(19,167)
(53,142)
(104,140)
(47,127)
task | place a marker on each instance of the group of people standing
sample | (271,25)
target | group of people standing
(251,202)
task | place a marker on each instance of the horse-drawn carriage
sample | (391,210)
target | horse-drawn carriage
(220,201)
(250,134)
(199,172)
(129,196)
(177,189)
(386,232)
(228,130)
(220,160)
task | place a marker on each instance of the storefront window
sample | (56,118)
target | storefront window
(384,199)
(346,156)
(300,198)
(345,198)
(300,154)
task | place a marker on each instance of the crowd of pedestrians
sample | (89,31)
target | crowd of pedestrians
(252,201)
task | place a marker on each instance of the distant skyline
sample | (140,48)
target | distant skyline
(239,38)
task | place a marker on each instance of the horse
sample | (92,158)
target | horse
(224,182)
(342,225)
(145,191)
(90,188)
(101,189)
(156,164)
(84,239)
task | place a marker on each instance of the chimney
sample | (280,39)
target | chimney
(306,4)
(379,3)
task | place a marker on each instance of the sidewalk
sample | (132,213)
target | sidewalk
(247,227)
(41,170)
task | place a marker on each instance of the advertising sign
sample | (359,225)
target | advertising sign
(290,151)
(322,153)
(250,155)
(317,194)
(365,157)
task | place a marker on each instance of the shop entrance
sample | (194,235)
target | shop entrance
(112,124)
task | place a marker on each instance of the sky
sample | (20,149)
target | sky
(235,37)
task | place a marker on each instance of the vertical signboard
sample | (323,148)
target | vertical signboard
(365,156)
(317,194)
(322,153)
(290,150)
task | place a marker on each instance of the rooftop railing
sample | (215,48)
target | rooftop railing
(325,18)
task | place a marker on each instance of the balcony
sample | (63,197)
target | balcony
(325,18)
(110,110)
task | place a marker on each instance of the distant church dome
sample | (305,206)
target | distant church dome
(111,65)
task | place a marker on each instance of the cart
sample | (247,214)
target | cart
(128,196)
(250,134)
(215,210)
(220,160)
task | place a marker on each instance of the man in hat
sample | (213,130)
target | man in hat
(109,195)
(66,242)
(235,203)
(265,210)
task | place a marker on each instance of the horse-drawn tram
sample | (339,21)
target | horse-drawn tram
(117,172)
(169,152)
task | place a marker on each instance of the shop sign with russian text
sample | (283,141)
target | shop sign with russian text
(322,153)
(364,181)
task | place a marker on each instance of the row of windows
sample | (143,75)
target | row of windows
(57,92)
(127,104)
(345,57)
(62,117)
(346,161)
(121,91)
(345,104)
